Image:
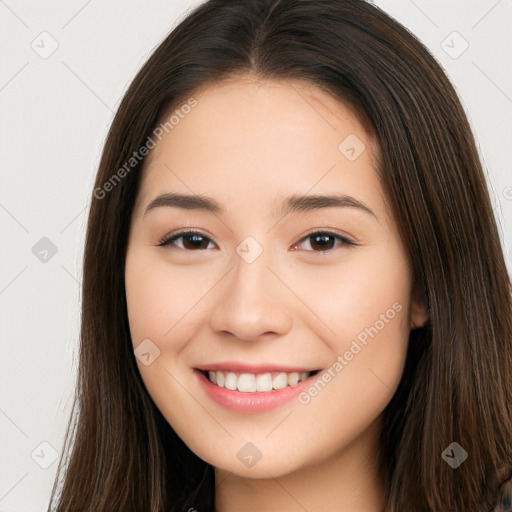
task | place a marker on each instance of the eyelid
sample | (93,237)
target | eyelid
(167,239)
(171,237)
(344,238)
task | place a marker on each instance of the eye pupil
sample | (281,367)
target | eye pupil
(198,240)
(324,238)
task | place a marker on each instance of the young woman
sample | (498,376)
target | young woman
(294,293)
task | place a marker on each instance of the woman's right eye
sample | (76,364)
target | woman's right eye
(192,240)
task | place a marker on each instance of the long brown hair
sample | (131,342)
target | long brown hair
(121,454)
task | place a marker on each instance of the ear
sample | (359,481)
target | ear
(419,310)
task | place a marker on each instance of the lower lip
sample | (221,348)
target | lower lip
(251,402)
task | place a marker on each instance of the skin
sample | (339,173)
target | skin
(249,144)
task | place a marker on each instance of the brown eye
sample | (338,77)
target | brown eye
(320,241)
(192,240)
(325,241)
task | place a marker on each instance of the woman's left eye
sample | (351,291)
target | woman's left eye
(325,240)
(319,241)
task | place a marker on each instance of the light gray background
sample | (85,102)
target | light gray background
(55,113)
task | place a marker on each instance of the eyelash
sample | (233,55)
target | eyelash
(172,237)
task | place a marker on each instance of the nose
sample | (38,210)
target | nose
(252,301)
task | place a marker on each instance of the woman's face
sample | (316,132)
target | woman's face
(274,282)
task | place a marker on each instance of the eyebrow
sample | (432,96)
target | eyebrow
(292,204)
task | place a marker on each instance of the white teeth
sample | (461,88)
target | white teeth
(264,382)
(293,379)
(250,383)
(279,381)
(246,383)
(230,382)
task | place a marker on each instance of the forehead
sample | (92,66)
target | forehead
(266,135)
(245,102)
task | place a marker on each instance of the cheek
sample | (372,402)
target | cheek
(363,305)
(145,300)
(160,297)
(352,294)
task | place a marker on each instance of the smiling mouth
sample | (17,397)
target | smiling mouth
(259,382)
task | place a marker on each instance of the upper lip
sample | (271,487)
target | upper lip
(239,367)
